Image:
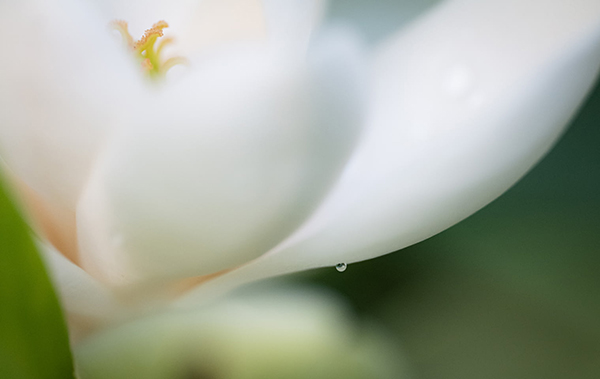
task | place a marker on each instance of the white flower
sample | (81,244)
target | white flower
(282,146)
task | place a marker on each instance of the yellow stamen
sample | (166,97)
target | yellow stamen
(164,42)
(121,27)
(145,50)
(147,66)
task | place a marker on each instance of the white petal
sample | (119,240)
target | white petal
(141,14)
(215,22)
(82,296)
(229,164)
(65,83)
(465,102)
(290,23)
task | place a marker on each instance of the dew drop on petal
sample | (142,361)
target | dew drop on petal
(341,267)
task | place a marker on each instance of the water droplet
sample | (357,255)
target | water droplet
(341,267)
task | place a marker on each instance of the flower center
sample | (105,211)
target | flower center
(147,50)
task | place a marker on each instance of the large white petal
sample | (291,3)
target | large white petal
(65,85)
(465,102)
(224,166)
(141,14)
(214,22)
(291,23)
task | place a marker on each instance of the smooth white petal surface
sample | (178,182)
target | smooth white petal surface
(212,23)
(65,85)
(222,167)
(291,23)
(464,103)
(141,14)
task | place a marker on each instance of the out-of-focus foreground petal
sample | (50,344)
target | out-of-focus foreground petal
(465,102)
(65,85)
(274,333)
(224,167)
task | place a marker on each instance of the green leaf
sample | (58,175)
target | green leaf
(33,336)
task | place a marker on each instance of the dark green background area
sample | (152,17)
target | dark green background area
(511,292)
